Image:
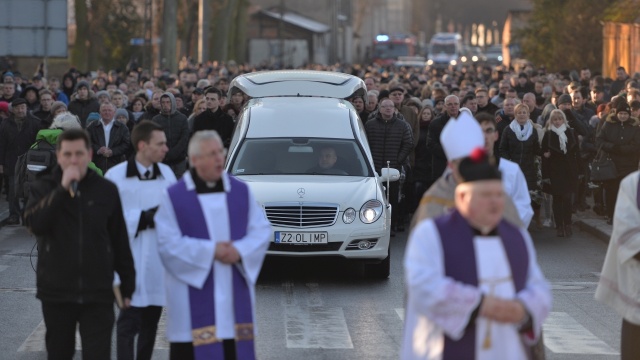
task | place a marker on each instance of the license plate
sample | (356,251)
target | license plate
(285,237)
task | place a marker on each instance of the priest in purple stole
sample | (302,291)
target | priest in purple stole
(212,239)
(475,290)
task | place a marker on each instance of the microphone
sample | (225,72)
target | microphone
(73,188)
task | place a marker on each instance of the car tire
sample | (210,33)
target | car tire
(381,270)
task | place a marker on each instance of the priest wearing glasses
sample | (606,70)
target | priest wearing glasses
(475,290)
(213,236)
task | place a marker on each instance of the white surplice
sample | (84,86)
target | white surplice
(438,305)
(136,196)
(188,260)
(515,186)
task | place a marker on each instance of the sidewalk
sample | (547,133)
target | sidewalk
(594,224)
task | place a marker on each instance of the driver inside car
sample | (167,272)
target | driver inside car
(326,163)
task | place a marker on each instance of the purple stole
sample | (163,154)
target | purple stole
(203,317)
(456,236)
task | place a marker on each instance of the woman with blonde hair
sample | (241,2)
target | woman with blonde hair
(559,170)
(198,108)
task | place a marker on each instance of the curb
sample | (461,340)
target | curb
(601,232)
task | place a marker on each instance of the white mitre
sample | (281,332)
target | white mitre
(461,136)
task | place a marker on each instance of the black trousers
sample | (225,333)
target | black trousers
(141,321)
(184,351)
(96,324)
(629,341)
(611,188)
(394,192)
(562,210)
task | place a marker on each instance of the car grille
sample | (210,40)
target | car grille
(332,246)
(301,216)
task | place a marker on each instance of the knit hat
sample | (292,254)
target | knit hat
(564,99)
(81,84)
(57,105)
(623,107)
(396,88)
(121,112)
(103,93)
(94,116)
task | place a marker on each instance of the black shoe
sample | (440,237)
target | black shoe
(560,232)
(392,233)
(568,231)
(12,221)
(610,221)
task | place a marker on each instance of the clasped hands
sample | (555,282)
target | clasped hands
(502,310)
(105,151)
(226,253)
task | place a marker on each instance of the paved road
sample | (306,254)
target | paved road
(327,310)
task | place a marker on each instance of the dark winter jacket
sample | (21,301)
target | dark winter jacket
(14,142)
(522,153)
(82,108)
(149,113)
(491,109)
(502,121)
(560,168)
(389,140)
(176,129)
(218,121)
(421,169)
(438,159)
(119,143)
(622,142)
(81,240)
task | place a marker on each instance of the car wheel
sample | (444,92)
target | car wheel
(380,270)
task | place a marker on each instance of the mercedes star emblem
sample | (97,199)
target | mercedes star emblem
(301,192)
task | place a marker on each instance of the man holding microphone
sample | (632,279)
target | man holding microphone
(76,216)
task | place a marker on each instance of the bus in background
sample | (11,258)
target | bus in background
(445,49)
(388,48)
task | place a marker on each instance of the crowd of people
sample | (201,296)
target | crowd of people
(542,130)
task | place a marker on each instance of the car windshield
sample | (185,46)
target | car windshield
(300,156)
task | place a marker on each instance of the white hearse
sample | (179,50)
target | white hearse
(302,149)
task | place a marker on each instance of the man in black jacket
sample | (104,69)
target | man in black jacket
(214,118)
(17,134)
(110,139)
(390,139)
(84,103)
(438,160)
(77,218)
(176,129)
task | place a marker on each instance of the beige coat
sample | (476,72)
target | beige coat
(438,200)
(619,285)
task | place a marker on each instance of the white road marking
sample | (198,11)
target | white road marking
(314,295)
(316,328)
(289,299)
(564,335)
(400,313)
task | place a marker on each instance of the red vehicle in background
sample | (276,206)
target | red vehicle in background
(387,48)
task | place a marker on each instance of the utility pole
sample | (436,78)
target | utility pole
(333,53)
(169,36)
(204,14)
(281,35)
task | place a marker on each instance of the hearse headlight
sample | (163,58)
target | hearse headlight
(349,215)
(371,211)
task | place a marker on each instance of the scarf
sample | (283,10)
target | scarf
(521,134)
(562,137)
